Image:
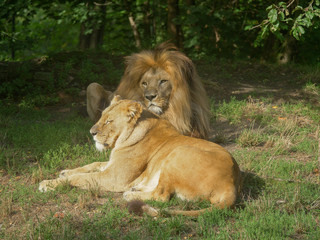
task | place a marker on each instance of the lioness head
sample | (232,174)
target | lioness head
(116,123)
(156,88)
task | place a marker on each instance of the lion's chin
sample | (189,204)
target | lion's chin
(155,109)
(100,147)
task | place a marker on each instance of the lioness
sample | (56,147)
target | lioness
(150,159)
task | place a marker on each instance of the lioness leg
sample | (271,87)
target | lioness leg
(85,181)
(97,100)
(93,167)
(154,195)
(161,192)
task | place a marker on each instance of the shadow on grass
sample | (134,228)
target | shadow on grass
(252,186)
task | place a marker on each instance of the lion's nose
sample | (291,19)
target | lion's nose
(150,97)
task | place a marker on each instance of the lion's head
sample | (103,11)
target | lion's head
(116,123)
(166,82)
(156,90)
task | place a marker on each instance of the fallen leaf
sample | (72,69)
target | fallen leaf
(316,171)
(58,215)
(274,107)
(282,118)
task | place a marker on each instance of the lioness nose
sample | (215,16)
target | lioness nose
(93,131)
(150,97)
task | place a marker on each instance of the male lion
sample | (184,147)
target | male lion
(166,82)
(150,159)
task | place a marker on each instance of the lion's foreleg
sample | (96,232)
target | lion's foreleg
(93,167)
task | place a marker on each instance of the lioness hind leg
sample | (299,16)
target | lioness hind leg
(135,195)
(93,167)
(160,193)
(97,100)
(224,199)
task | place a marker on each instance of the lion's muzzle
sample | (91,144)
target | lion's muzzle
(155,109)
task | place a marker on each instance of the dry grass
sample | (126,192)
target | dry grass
(251,137)
(6,206)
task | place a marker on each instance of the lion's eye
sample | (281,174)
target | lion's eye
(163,81)
(144,84)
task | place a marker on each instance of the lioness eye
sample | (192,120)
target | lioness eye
(108,121)
(163,81)
(144,84)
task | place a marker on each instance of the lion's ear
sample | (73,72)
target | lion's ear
(134,111)
(115,99)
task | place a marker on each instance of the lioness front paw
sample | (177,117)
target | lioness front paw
(46,185)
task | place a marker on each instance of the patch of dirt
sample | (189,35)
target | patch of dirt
(251,78)
(59,207)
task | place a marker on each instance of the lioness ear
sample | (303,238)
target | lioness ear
(134,111)
(115,99)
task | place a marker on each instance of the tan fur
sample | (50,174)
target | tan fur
(150,159)
(97,100)
(185,104)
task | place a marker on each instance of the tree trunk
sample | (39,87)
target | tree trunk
(174,30)
(135,32)
(83,38)
(133,24)
(93,40)
(13,28)
(147,20)
(100,31)
(285,54)
(154,20)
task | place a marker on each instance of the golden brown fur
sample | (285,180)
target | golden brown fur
(184,103)
(150,159)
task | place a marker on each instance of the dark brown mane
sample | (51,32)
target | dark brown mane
(188,109)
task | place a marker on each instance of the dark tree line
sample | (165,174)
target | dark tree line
(273,30)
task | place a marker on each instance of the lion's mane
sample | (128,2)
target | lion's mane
(188,109)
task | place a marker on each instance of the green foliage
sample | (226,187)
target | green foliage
(283,17)
(209,29)
(38,82)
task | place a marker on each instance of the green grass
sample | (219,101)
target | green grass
(275,143)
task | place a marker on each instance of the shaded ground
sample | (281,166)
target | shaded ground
(223,80)
(241,79)
(253,80)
